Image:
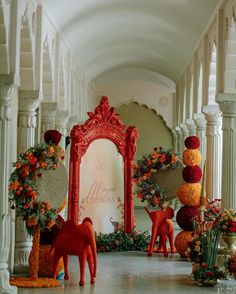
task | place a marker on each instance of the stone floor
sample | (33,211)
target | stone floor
(134,273)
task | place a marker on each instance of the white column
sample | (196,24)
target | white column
(227,103)
(28,104)
(191,126)
(200,123)
(61,125)
(180,140)
(7,92)
(48,117)
(175,139)
(213,154)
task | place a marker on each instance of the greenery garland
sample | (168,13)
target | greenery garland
(23,185)
(121,241)
(148,190)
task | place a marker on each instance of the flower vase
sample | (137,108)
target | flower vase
(230,241)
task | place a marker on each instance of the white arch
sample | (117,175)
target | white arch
(61,93)
(26,57)
(212,77)
(4,61)
(230,60)
(199,91)
(48,94)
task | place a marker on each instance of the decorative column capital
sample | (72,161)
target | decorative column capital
(73,120)
(200,121)
(48,110)
(174,133)
(7,91)
(28,103)
(191,126)
(227,103)
(184,129)
(62,118)
(178,131)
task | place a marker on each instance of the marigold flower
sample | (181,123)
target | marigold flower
(31,222)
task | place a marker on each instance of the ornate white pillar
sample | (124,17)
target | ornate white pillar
(180,140)
(227,103)
(28,104)
(7,92)
(200,123)
(213,154)
(48,117)
(191,126)
(61,126)
(175,140)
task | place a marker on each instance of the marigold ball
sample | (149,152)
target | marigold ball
(52,137)
(192,142)
(192,174)
(192,157)
(185,216)
(189,194)
(181,242)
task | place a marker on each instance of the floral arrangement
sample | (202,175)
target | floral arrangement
(185,217)
(208,273)
(23,187)
(228,221)
(120,241)
(147,190)
(194,252)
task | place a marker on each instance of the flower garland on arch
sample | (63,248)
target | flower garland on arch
(147,190)
(23,186)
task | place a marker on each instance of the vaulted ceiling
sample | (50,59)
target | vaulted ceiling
(150,35)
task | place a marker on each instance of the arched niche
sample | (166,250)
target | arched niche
(104,124)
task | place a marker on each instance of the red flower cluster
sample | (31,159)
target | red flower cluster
(231,226)
(192,142)
(192,174)
(185,217)
(52,137)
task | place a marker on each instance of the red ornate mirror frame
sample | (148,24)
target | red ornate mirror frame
(104,123)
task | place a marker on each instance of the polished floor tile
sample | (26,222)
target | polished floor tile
(134,273)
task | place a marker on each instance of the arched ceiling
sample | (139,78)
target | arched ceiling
(110,35)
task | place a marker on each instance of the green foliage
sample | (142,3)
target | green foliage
(120,241)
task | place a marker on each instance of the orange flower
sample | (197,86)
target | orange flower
(51,150)
(18,165)
(43,165)
(192,157)
(31,221)
(174,159)
(46,205)
(163,158)
(14,185)
(32,159)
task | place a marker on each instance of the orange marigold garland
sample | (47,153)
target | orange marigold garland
(23,197)
(189,194)
(148,190)
(192,157)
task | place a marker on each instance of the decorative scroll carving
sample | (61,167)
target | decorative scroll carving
(104,123)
